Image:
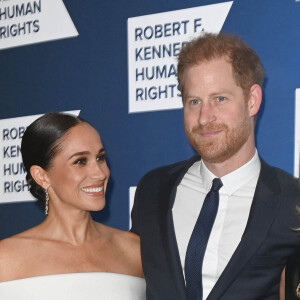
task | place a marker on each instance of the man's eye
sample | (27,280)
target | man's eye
(80,161)
(195,101)
(220,98)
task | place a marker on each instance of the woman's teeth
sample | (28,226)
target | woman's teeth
(92,190)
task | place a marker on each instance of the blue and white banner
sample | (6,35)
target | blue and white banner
(24,22)
(154,42)
(89,72)
(13,185)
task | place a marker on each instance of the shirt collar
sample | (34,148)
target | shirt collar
(236,179)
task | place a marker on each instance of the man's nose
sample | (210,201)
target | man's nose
(206,114)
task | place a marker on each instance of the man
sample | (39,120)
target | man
(221,79)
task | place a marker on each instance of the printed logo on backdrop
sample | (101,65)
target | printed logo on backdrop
(13,185)
(24,22)
(297,133)
(154,42)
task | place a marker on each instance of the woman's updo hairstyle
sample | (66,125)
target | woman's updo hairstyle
(41,142)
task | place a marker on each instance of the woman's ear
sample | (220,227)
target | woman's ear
(40,176)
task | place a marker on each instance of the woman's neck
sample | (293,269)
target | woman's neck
(74,226)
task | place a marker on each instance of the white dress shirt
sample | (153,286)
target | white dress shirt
(235,199)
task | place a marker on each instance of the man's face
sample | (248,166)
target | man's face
(216,114)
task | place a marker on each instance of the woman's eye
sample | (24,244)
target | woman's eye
(80,161)
(220,98)
(101,157)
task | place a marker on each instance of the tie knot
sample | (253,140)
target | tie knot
(216,184)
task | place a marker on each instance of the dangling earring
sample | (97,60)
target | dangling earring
(298,291)
(47,201)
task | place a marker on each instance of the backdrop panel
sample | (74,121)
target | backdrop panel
(86,69)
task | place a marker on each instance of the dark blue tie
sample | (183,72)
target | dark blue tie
(198,242)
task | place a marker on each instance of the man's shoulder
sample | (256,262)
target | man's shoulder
(279,176)
(169,170)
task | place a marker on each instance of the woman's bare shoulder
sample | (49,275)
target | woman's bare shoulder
(14,252)
(132,240)
(130,244)
(9,251)
(10,245)
(24,237)
(120,236)
(127,246)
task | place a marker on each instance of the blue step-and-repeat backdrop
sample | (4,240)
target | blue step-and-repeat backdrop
(114,64)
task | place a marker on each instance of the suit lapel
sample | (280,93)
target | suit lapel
(167,226)
(263,210)
(262,213)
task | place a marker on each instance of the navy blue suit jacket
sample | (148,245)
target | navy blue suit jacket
(253,271)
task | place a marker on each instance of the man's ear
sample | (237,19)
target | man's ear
(255,98)
(40,176)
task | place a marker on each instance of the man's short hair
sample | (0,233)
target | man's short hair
(246,65)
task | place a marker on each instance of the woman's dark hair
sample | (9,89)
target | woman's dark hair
(41,142)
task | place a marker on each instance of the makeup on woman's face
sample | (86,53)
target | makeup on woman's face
(78,174)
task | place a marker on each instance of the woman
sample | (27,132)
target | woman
(69,255)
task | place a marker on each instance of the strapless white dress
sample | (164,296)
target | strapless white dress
(75,286)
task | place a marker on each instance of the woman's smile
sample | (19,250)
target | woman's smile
(93,190)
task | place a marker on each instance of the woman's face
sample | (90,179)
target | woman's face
(78,173)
